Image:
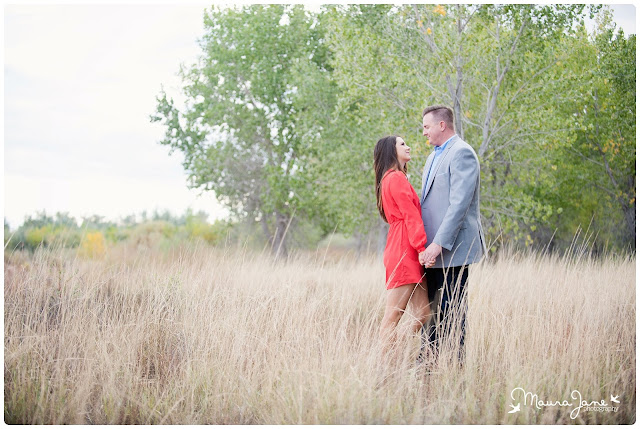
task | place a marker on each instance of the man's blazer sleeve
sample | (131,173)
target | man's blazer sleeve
(464,175)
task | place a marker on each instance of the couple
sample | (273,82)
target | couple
(432,239)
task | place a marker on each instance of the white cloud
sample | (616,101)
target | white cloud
(80,84)
(625,16)
(109,196)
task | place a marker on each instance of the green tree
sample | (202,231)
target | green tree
(239,131)
(373,99)
(491,63)
(596,157)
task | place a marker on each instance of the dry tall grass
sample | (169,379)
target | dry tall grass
(198,335)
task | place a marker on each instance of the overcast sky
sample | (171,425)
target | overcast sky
(80,82)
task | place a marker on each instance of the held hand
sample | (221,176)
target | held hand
(422,257)
(428,257)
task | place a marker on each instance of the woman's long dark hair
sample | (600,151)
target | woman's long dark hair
(385,157)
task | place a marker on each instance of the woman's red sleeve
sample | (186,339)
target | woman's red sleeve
(403,194)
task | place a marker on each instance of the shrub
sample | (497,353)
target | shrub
(34,237)
(115,234)
(212,234)
(93,245)
(151,234)
(65,237)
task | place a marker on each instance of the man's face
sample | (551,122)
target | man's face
(433,129)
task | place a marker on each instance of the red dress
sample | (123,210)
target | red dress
(406,237)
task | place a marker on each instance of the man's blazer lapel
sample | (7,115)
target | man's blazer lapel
(425,174)
(441,162)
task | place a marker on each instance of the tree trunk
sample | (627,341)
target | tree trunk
(279,246)
(629,211)
(383,229)
(457,107)
(265,229)
(359,237)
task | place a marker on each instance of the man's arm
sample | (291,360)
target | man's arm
(428,257)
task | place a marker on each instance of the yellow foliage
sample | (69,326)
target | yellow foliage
(429,30)
(440,9)
(93,245)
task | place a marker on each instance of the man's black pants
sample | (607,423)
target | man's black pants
(450,310)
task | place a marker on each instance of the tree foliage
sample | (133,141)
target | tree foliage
(594,166)
(240,132)
(284,108)
(163,229)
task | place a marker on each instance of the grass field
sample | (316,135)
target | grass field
(200,335)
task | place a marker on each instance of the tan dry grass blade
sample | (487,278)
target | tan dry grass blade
(200,335)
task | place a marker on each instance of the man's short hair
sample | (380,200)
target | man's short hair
(441,113)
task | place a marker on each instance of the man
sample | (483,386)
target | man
(451,216)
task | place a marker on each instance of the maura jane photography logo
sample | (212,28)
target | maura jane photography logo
(530,398)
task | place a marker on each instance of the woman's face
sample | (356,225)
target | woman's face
(402,151)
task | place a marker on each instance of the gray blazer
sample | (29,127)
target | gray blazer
(451,206)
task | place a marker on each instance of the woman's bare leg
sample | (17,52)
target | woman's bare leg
(419,307)
(397,299)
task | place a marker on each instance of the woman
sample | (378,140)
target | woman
(399,206)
